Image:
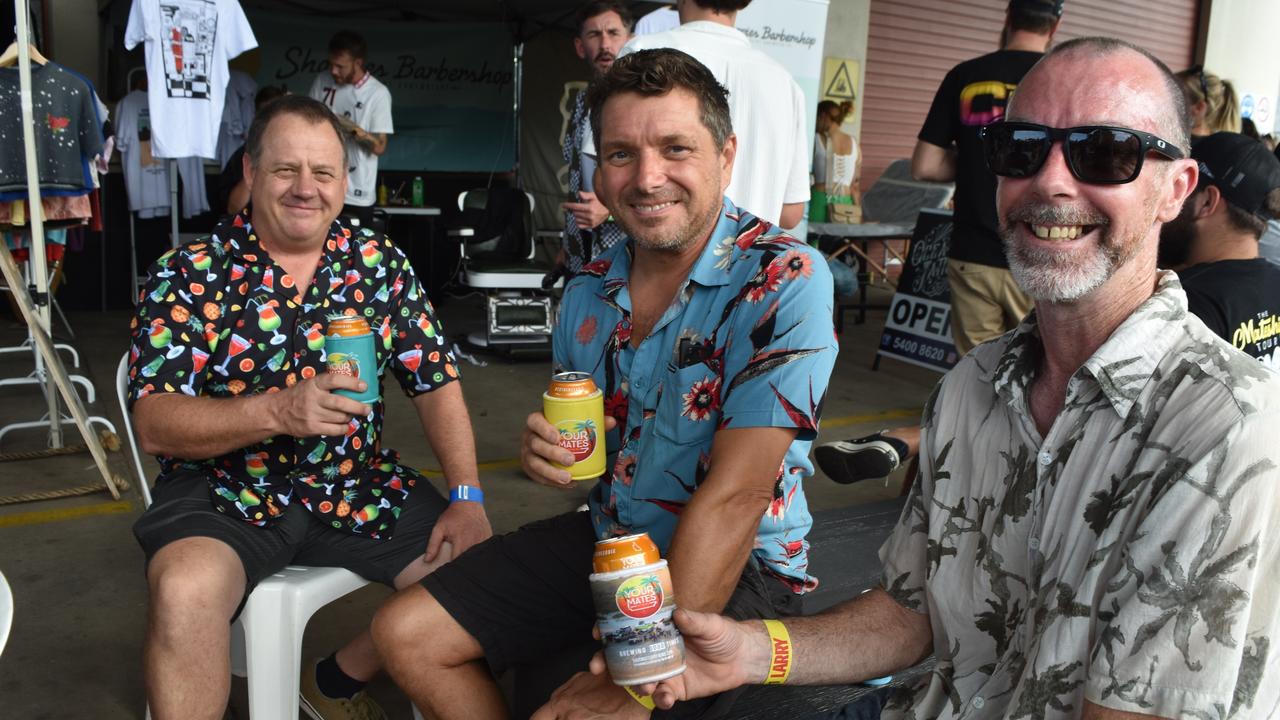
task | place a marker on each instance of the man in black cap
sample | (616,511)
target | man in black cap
(985,301)
(1213,244)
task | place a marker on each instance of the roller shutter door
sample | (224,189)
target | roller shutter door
(911,44)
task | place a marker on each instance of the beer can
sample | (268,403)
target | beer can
(575,406)
(349,350)
(634,607)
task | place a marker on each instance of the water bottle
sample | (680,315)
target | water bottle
(417,191)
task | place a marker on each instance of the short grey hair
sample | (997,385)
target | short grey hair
(1173,118)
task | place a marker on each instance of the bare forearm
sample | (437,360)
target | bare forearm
(870,636)
(711,544)
(932,163)
(198,428)
(447,426)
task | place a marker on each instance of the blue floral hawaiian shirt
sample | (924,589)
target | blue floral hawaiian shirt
(748,342)
(219,318)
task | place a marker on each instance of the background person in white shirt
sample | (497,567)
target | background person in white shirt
(767,106)
(363,106)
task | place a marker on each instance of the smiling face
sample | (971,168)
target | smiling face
(298,184)
(601,38)
(660,171)
(1065,238)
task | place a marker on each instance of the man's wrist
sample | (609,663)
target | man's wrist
(466,493)
(757,656)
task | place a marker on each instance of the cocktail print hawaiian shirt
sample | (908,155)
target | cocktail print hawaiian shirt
(219,318)
(747,342)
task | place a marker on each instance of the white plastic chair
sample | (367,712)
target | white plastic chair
(266,641)
(6,611)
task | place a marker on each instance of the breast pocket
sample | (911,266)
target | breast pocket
(689,407)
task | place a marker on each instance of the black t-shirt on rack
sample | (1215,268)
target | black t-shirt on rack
(974,94)
(66,129)
(1240,301)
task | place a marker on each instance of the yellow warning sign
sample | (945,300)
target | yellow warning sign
(839,79)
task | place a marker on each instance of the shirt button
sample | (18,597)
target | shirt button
(1046,457)
(978,702)
(1034,543)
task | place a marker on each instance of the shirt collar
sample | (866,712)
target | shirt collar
(707,270)
(237,238)
(1122,366)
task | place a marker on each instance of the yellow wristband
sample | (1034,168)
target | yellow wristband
(780,642)
(645,700)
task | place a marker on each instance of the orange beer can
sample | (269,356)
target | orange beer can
(634,601)
(575,406)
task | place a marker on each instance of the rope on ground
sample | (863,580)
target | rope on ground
(110,442)
(121,484)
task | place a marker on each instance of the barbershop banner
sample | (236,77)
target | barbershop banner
(918,327)
(791,32)
(451,84)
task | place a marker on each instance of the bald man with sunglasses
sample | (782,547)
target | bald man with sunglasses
(1090,533)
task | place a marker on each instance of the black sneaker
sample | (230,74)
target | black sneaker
(848,461)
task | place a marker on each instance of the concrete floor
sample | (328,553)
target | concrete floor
(76,570)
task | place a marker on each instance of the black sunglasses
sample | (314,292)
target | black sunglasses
(1097,154)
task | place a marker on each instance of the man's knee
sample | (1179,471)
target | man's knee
(195,579)
(412,626)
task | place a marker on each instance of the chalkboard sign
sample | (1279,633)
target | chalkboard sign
(918,326)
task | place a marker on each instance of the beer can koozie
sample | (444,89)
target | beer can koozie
(348,346)
(633,610)
(575,406)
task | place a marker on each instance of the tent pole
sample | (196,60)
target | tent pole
(39,268)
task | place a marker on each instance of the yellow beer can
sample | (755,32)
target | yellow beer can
(575,406)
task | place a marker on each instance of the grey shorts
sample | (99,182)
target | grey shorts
(182,509)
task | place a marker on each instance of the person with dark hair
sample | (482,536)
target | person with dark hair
(264,461)
(363,107)
(1213,244)
(233,191)
(767,106)
(1091,534)
(710,335)
(603,28)
(985,300)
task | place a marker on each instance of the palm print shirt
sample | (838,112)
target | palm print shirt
(747,342)
(1126,559)
(219,318)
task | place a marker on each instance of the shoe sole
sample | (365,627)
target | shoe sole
(845,463)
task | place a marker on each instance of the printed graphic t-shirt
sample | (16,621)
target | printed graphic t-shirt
(188,44)
(366,103)
(1240,301)
(973,94)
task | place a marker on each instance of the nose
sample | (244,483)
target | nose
(304,184)
(651,171)
(1054,178)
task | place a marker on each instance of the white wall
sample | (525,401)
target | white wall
(1241,48)
(848,22)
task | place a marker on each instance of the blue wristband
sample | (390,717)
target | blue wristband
(466,493)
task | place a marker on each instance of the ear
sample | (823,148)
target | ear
(727,156)
(1213,202)
(1176,187)
(577,46)
(602,193)
(247,166)
(1053,30)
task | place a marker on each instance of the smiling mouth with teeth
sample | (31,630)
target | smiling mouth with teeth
(1063,232)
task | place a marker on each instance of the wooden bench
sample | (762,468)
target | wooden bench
(844,556)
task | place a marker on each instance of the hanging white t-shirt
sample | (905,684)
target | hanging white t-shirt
(146,177)
(366,103)
(188,44)
(237,115)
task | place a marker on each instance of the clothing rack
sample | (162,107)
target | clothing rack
(33,300)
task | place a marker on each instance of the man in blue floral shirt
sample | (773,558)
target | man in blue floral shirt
(262,464)
(710,334)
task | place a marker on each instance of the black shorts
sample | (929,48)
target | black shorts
(182,509)
(525,596)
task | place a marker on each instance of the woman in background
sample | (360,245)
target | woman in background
(1212,102)
(834,197)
